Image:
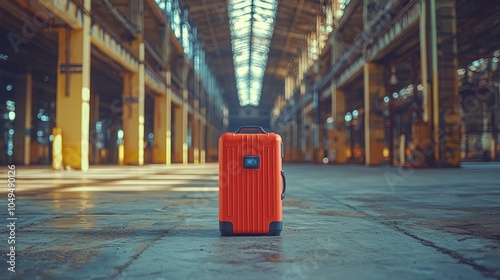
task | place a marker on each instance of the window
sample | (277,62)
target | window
(185,39)
(251,31)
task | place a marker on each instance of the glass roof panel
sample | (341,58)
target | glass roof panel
(252,24)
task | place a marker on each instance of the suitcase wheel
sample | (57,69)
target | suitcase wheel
(275,228)
(226,228)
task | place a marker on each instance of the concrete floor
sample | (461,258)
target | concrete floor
(340,222)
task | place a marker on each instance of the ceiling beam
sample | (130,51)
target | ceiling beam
(295,35)
(212,33)
(290,29)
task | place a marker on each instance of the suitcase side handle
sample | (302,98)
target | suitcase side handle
(251,127)
(284,185)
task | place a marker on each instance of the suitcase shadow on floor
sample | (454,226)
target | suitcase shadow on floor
(197,232)
(213,233)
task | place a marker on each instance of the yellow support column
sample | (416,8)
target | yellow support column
(168,110)
(162,150)
(57,149)
(181,118)
(190,131)
(337,136)
(133,116)
(374,122)
(195,138)
(121,154)
(22,134)
(162,113)
(73,93)
(202,138)
(424,62)
(180,134)
(133,93)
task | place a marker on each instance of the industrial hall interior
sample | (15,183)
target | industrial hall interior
(343,139)
(142,81)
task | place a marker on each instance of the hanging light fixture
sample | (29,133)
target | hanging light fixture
(393,80)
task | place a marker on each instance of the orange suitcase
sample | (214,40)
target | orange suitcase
(251,182)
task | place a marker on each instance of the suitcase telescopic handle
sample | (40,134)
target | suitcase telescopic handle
(284,185)
(252,127)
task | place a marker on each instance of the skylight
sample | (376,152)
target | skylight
(252,23)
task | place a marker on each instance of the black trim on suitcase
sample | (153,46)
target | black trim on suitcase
(275,228)
(226,228)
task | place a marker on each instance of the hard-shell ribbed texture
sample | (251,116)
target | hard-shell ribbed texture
(250,199)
